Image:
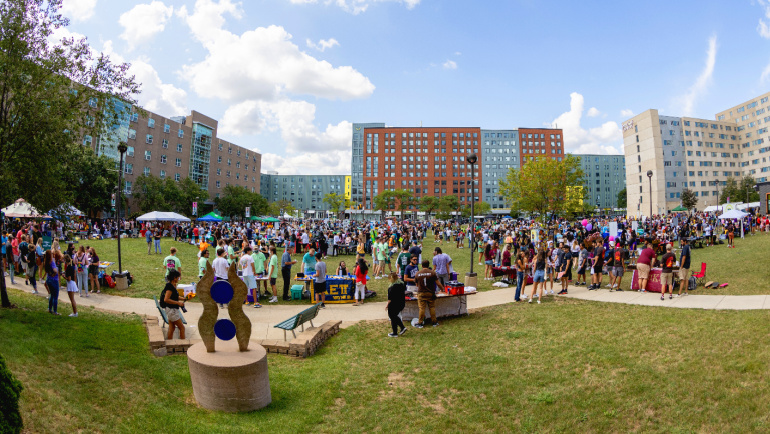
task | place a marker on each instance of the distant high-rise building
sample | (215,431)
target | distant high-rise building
(605,177)
(304,192)
(499,154)
(357,161)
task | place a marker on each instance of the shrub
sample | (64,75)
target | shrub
(10,391)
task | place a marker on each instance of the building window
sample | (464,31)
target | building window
(147,155)
(180,134)
(220,146)
(179,147)
(150,123)
(178,162)
(131,134)
(177,177)
(219,172)
(148,139)
(219,159)
(87,140)
(146,171)
(166,128)
(134,117)
(165,143)
(92,102)
(217,184)
(162,159)
(130,151)
(128,188)
(128,168)
(162,174)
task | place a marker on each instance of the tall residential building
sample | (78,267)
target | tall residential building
(605,177)
(427,161)
(539,142)
(357,161)
(305,192)
(180,147)
(499,154)
(698,154)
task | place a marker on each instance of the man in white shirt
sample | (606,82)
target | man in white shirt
(246,265)
(220,265)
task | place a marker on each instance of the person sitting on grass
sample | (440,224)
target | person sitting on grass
(172,304)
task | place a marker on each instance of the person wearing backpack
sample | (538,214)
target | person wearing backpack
(620,255)
(684,269)
(170,302)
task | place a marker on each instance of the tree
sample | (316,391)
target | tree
(747,188)
(188,192)
(337,203)
(281,207)
(447,206)
(481,208)
(403,199)
(149,192)
(384,201)
(53,96)
(236,198)
(731,190)
(10,392)
(623,198)
(541,186)
(429,204)
(689,200)
(96,178)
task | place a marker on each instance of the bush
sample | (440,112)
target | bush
(10,391)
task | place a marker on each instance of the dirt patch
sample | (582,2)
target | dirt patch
(437,406)
(397,380)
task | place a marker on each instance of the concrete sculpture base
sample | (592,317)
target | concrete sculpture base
(228,379)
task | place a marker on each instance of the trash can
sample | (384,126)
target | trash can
(121,281)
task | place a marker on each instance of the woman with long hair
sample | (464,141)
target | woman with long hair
(521,269)
(51,281)
(81,270)
(361,270)
(93,272)
(72,287)
(396,303)
(539,278)
(489,260)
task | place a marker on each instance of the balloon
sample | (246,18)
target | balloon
(585,222)
(589,226)
(612,238)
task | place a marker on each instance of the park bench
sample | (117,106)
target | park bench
(163,313)
(299,320)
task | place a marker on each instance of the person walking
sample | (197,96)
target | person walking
(172,303)
(441,262)
(171,262)
(286,263)
(156,236)
(427,281)
(273,274)
(51,281)
(202,263)
(667,274)
(684,269)
(148,238)
(521,268)
(644,264)
(72,287)
(246,265)
(396,303)
(539,276)
(93,272)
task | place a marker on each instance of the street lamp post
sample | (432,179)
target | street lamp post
(122,148)
(471,230)
(649,176)
(716,182)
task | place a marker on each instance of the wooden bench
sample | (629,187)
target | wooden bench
(299,320)
(163,313)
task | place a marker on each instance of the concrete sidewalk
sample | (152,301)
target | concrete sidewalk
(265,318)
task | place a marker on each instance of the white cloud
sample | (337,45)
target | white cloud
(356,7)
(593,112)
(765,74)
(78,10)
(703,81)
(143,21)
(763,29)
(327,163)
(577,139)
(626,113)
(162,98)
(260,64)
(450,64)
(322,44)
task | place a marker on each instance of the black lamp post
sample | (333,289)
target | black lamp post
(649,176)
(122,148)
(472,160)
(716,182)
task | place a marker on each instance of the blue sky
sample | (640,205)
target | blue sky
(288,77)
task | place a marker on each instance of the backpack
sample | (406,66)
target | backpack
(162,297)
(109,281)
(692,284)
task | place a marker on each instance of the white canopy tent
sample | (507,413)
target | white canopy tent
(748,205)
(67,210)
(713,208)
(22,209)
(161,216)
(734,214)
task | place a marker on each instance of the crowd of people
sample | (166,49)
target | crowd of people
(560,251)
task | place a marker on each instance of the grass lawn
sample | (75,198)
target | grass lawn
(738,266)
(563,366)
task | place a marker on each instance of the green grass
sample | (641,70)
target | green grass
(738,266)
(563,366)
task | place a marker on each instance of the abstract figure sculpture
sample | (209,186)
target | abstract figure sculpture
(232,291)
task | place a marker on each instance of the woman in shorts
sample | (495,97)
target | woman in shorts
(93,272)
(539,277)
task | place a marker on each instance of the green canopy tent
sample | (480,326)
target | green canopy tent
(255,218)
(211,217)
(680,208)
(270,220)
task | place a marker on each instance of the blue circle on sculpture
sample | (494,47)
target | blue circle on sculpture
(222,291)
(224,329)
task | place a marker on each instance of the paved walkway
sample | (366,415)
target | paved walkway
(265,318)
